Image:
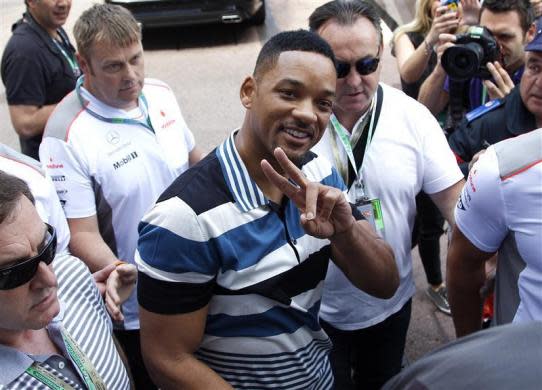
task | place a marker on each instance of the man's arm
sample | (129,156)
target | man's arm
(366,259)
(446,200)
(432,93)
(87,243)
(195,155)
(465,276)
(169,358)
(28,120)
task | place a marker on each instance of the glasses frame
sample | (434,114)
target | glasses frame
(364,66)
(21,273)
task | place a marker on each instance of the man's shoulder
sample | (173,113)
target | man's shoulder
(516,155)
(202,187)
(63,117)
(24,41)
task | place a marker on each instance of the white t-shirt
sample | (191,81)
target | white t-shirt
(116,170)
(500,209)
(43,190)
(408,153)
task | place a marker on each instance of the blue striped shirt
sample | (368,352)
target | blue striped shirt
(214,239)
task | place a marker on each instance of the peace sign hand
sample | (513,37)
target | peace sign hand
(325,212)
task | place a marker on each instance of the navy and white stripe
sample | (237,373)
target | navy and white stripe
(84,316)
(214,239)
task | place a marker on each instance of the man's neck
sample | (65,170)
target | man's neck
(348,119)
(253,164)
(538,122)
(52,31)
(35,342)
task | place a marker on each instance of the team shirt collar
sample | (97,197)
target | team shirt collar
(246,193)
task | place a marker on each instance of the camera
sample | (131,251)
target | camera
(472,51)
(452,5)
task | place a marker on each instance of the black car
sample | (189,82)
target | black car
(161,13)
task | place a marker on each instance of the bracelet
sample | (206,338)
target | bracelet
(428,48)
(119,262)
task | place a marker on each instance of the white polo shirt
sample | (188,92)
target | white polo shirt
(43,190)
(408,153)
(500,209)
(116,170)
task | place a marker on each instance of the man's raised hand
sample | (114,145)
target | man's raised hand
(325,212)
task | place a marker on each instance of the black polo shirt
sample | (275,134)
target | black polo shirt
(35,72)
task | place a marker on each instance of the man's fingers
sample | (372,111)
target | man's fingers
(327,203)
(103,274)
(311,200)
(282,183)
(492,90)
(290,169)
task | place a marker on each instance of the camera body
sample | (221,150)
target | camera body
(472,51)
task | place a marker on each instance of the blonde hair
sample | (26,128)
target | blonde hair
(105,23)
(420,24)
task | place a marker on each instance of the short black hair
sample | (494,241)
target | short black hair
(298,40)
(522,7)
(346,13)
(11,190)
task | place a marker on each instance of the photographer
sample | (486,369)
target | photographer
(510,22)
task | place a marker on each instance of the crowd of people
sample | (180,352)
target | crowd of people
(129,258)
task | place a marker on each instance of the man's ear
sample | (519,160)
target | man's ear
(84,65)
(248,91)
(31,3)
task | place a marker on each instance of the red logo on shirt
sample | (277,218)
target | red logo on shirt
(162,113)
(168,123)
(52,165)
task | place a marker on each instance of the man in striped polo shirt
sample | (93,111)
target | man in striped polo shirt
(54,330)
(233,256)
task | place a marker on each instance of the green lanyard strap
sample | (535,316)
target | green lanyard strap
(349,142)
(86,369)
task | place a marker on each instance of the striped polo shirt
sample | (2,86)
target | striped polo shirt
(214,239)
(84,316)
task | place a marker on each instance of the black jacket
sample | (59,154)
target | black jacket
(509,119)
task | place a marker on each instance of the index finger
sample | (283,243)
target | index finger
(282,183)
(290,169)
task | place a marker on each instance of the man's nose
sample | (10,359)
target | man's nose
(353,78)
(305,111)
(44,277)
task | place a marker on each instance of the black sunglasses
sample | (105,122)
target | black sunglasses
(363,66)
(21,273)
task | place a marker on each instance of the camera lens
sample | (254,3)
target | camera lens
(461,62)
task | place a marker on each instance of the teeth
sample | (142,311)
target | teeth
(297,134)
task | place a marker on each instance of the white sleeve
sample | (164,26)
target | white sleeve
(440,166)
(480,211)
(70,175)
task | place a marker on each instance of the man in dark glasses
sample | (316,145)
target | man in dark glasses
(387,147)
(54,330)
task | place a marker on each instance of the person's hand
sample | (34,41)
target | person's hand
(471,12)
(537,7)
(444,22)
(120,284)
(325,212)
(444,42)
(475,158)
(502,84)
(115,284)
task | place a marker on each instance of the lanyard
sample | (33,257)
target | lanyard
(484,95)
(70,58)
(128,121)
(88,373)
(341,133)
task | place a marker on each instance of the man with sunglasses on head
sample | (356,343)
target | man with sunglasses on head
(387,147)
(54,329)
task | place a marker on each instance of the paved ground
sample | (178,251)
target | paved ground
(205,66)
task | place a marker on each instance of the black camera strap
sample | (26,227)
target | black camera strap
(360,148)
(457,111)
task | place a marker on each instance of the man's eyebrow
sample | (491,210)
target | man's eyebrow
(299,84)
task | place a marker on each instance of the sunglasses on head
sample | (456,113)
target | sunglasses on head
(363,66)
(21,273)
